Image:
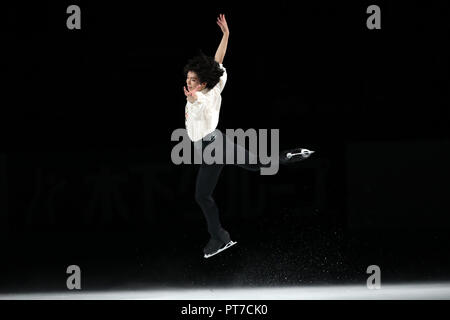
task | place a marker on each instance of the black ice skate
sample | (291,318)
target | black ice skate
(295,155)
(217,245)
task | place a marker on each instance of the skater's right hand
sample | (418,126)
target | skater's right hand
(192,94)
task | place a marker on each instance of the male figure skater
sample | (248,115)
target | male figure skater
(205,80)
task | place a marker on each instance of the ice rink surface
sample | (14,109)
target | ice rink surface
(422,291)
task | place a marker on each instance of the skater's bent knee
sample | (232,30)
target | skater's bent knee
(203,199)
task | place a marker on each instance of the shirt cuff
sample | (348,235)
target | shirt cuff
(196,103)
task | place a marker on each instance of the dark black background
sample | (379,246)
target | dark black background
(87,116)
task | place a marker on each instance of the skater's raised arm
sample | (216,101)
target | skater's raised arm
(221,50)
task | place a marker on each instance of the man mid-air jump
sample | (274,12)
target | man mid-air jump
(205,80)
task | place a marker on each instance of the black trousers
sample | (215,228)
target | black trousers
(208,176)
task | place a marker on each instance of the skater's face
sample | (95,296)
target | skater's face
(192,81)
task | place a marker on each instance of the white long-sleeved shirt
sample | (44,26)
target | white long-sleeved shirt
(202,116)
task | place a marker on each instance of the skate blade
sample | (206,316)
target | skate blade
(228,245)
(298,158)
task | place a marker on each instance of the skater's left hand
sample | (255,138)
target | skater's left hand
(223,24)
(191,95)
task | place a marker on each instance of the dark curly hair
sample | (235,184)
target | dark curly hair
(206,68)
